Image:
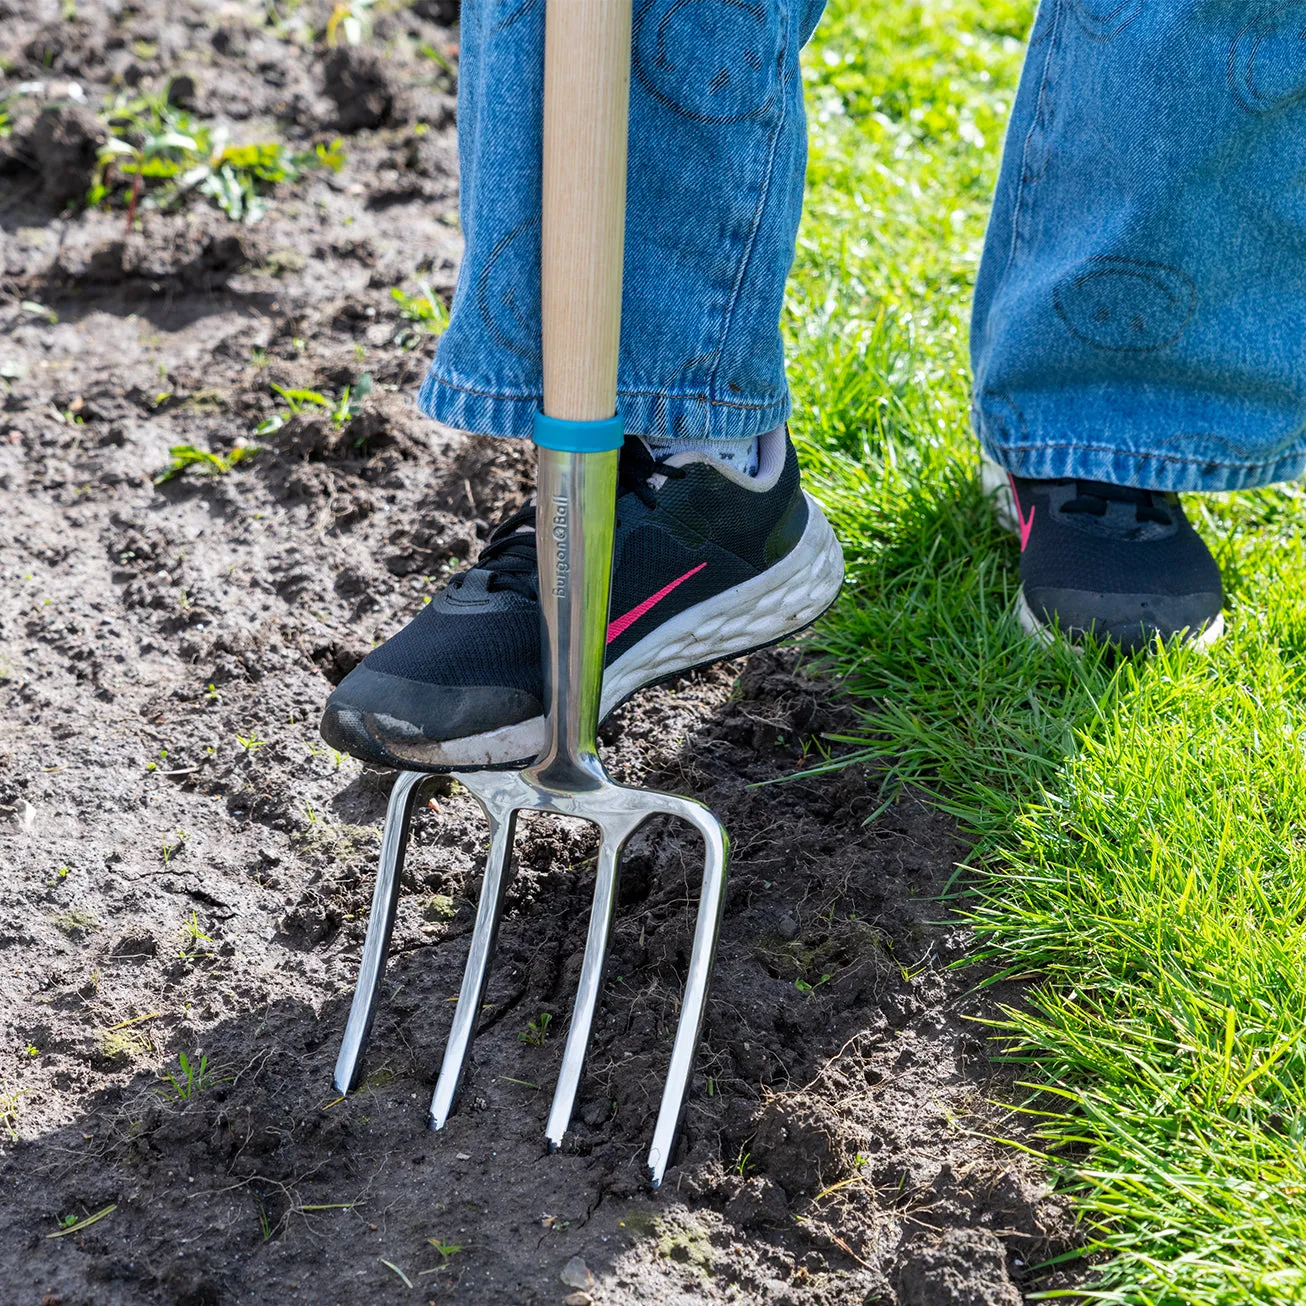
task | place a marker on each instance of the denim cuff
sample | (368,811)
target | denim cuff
(659,414)
(1148,469)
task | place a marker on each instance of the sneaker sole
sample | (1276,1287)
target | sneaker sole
(780,602)
(997,487)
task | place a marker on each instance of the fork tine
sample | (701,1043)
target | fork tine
(380,925)
(484,935)
(711,904)
(587,994)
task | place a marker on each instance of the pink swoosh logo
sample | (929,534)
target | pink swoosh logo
(622,624)
(1025,526)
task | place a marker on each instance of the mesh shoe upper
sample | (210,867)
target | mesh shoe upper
(483,628)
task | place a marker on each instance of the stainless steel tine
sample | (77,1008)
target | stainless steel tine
(484,936)
(711,904)
(380,925)
(606,881)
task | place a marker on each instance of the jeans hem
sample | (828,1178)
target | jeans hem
(661,414)
(1142,468)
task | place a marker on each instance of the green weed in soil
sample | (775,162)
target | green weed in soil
(158,156)
(186,457)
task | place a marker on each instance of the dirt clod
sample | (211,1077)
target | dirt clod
(61,148)
(360,84)
(799,1144)
(964,1267)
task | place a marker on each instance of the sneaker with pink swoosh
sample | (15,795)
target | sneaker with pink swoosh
(1119,563)
(707,564)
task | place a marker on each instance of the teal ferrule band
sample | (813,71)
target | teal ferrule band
(579,437)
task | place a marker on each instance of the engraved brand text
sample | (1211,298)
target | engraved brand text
(560,534)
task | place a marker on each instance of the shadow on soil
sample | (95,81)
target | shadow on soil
(834,1148)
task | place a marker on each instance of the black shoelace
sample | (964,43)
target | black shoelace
(509,555)
(1095,497)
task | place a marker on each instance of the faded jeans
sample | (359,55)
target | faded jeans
(1140,313)
(718,154)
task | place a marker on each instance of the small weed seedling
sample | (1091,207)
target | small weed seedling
(34,309)
(298,400)
(251,743)
(441,61)
(191,1080)
(9,1113)
(426,310)
(803,986)
(192,940)
(537,1031)
(341,410)
(75,1224)
(350,21)
(350,403)
(169,849)
(447,1250)
(185,456)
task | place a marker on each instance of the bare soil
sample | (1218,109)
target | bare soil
(187,869)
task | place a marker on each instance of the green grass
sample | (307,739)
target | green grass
(1139,824)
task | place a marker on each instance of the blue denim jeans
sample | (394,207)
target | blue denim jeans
(1140,314)
(717,161)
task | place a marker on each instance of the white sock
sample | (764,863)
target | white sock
(740,454)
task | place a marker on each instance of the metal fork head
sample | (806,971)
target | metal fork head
(575,494)
(618,811)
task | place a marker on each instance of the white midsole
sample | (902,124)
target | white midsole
(996,485)
(771,605)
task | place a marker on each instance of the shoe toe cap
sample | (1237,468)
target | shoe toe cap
(1131,621)
(391,721)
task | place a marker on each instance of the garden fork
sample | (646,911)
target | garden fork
(586,107)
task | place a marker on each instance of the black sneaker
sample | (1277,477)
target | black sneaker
(1122,564)
(707,564)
